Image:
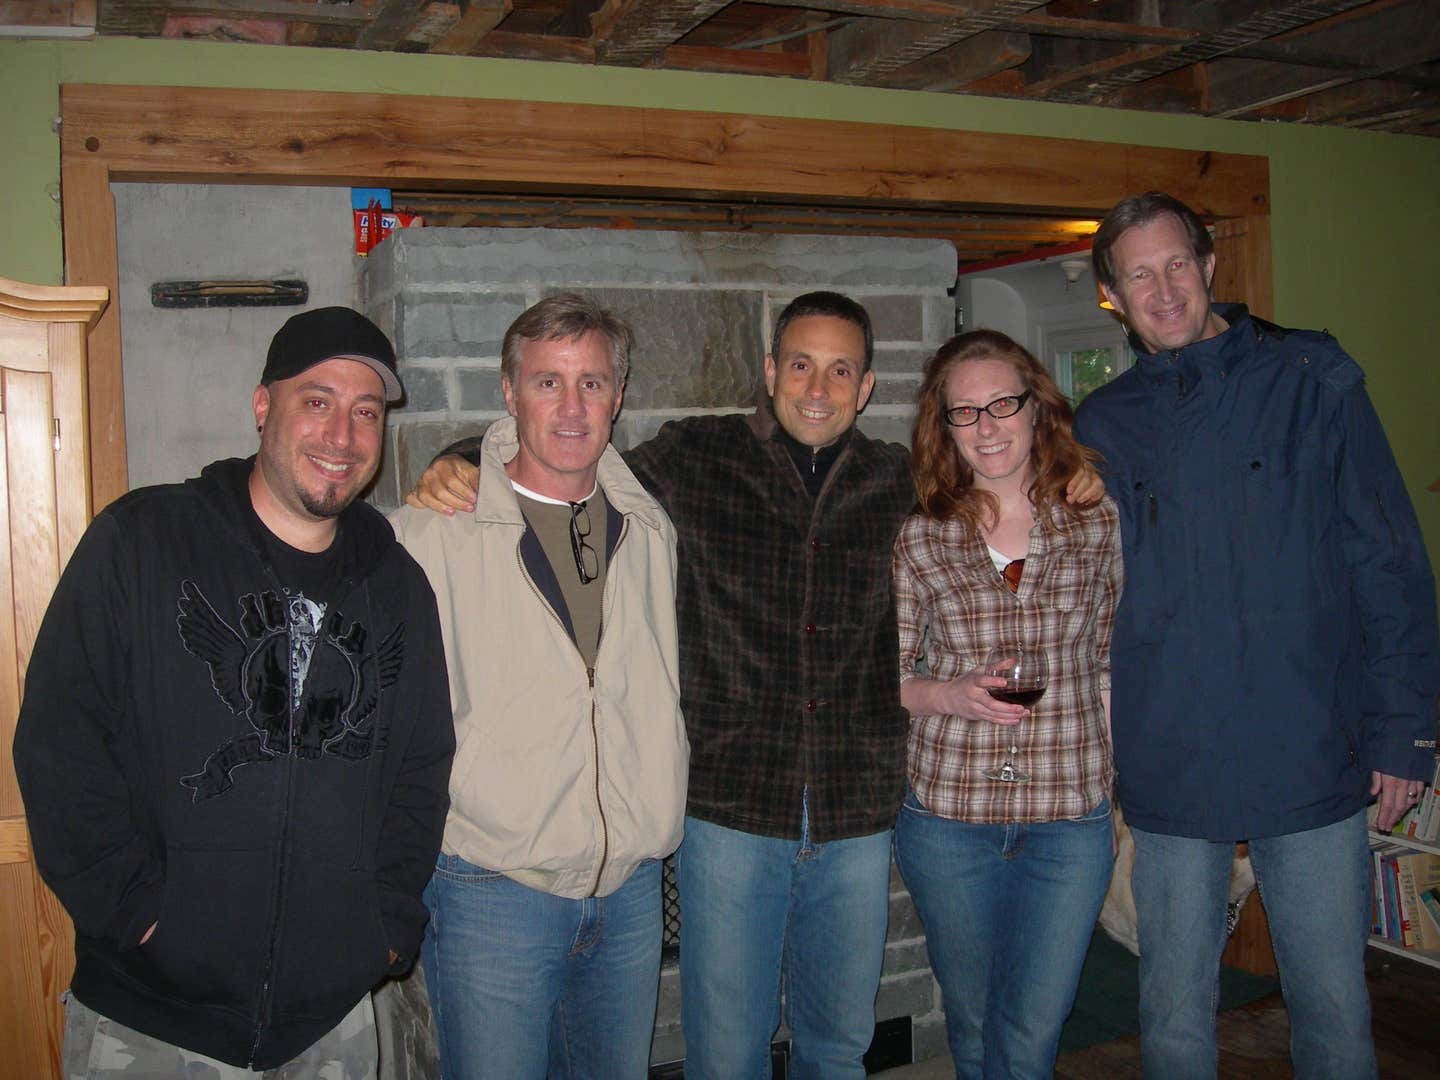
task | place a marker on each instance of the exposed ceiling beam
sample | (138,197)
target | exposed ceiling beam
(292,10)
(1056,63)
(1101,29)
(637,32)
(974,58)
(502,43)
(131,18)
(1363,98)
(918,10)
(1257,22)
(868,49)
(1390,38)
(477,20)
(574,20)
(793,65)
(390,24)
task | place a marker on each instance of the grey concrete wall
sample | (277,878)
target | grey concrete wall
(189,374)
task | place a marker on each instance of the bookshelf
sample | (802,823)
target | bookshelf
(1430,957)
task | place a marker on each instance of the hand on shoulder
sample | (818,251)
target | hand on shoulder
(449,484)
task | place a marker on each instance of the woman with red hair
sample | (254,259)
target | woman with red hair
(1008,877)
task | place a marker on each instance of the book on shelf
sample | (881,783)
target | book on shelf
(1401,879)
(1430,918)
(1382,880)
(1422,869)
(1407,899)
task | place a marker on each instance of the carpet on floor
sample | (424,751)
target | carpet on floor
(1107,1004)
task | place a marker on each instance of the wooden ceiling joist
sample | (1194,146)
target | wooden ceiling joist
(869,49)
(635,32)
(1242,59)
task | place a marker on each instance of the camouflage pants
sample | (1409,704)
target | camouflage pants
(97,1048)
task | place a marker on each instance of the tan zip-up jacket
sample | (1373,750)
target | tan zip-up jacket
(561,781)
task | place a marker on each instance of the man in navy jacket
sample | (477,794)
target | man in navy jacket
(1274,657)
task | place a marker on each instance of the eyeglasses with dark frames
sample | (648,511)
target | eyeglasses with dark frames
(1000,408)
(587,562)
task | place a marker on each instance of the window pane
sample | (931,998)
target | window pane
(1090,368)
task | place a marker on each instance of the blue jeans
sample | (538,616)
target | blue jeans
(1008,912)
(1316,889)
(754,909)
(525,985)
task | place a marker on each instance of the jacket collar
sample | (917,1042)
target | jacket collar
(495,499)
(1220,354)
(767,429)
(364,534)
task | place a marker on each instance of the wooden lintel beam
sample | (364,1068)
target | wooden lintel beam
(207,135)
(971,59)
(792,65)
(463,207)
(637,32)
(477,20)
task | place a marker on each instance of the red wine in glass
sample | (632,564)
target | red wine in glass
(1026,675)
(1017,695)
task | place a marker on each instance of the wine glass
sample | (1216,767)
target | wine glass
(1026,675)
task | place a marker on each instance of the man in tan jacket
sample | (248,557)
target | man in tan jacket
(557,605)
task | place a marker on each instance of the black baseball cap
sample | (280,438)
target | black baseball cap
(331,333)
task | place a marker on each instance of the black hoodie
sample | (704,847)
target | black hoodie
(280,841)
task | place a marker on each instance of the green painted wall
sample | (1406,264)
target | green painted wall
(1356,216)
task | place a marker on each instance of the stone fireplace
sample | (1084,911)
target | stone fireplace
(701,305)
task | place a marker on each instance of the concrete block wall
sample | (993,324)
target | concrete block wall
(702,306)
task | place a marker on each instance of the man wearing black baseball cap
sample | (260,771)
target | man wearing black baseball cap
(235,742)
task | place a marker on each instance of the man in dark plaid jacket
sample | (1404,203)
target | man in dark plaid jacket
(790,688)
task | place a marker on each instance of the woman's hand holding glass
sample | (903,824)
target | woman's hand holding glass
(968,697)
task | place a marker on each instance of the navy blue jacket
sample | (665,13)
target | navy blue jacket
(1276,640)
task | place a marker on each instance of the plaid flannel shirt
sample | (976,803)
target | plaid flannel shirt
(953,606)
(787,625)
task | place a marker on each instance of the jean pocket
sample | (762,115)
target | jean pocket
(455,868)
(913,805)
(1099,812)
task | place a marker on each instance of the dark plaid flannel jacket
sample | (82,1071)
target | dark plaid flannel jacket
(788,641)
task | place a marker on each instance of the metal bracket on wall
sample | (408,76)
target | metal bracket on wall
(219,293)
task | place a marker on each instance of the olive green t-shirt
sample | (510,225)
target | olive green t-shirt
(550,518)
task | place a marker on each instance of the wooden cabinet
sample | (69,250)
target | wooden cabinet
(44,508)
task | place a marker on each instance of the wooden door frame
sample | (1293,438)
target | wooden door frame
(220,136)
